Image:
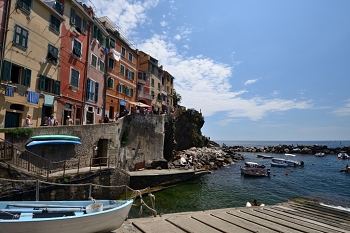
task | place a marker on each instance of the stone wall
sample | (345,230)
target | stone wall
(130,140)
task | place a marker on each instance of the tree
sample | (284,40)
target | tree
(176,98)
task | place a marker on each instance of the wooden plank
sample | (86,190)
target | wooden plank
(262,222)
(218,223)
(279,221)
(248,225)
(188,224)
(316,224)
(155,225)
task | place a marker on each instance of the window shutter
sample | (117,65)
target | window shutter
(88,88)
(132,76)
(95,32)
(42,83)
(107,42)
(84,26)
(72,16)
(27,77)
(57,90)
(131,92)
(6,74)
(96,92)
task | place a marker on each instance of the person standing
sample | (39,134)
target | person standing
(52,120)
(28,122)
(69,121)
(106,120)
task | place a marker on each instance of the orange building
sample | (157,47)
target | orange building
(121,71)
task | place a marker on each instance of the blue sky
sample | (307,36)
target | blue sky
(257,70)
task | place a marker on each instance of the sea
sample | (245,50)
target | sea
(319,179)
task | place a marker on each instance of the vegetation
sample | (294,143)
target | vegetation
(18,132)
(125,138)
(176,98)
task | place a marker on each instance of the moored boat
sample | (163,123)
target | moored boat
(320,154)
(252,171)
(88,216)
(343,155)
(264,156)
(253,164)
(254,203)
(280,162)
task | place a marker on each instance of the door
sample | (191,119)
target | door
(12,119)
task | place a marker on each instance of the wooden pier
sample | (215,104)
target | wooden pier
(289,217)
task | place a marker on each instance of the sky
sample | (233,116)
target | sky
(257,70)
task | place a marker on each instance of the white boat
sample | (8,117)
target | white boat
(320,154)
(253,164)
(343,155)
(88,216)
(286,162)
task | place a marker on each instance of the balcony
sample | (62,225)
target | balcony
(141,94)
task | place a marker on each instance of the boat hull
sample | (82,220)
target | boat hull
(257,172)
(103,221)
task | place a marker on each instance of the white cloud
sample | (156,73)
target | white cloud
(163,23)
(204,84)
(343,111)
(127,14)
(251,81)
(177,37)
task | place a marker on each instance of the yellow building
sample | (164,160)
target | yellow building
(30,65)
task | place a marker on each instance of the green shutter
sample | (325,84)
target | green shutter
(88,88)
(95,32)
(72,16)
(132,76)
(42,83)
(96,92)
(84,26)
(27,77)
(6,74)
(57,90)
(132,92)
(107,43)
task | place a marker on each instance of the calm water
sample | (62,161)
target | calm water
(320,179)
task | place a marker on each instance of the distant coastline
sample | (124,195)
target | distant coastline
(329,144)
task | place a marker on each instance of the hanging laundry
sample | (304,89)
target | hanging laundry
(9,91)
(33,97)
(116,54)
(21,90)
(49,100)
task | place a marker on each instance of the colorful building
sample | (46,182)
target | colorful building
(167,92)
(30,61)
(121,72)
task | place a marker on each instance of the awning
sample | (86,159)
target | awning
(139,104)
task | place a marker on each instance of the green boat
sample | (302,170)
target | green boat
(55,137)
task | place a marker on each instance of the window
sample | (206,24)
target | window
(159,86)
(111,63)
(79,23)
(52,54)
(93,60)
(99,36)
(130,75)
(102,66)
(76,48)
(74,78)
(20,37)
(130,57)
(121,88)
(152,82)
(122,69)
(152,94)
(24,5)
(58,7)
(49,85)
(16,74)
(55,25)
(112,42)
(123,52)
(110,83)
(92,90)
(152,69)
(159,74)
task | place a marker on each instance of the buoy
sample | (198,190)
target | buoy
(286,173)
(274,174)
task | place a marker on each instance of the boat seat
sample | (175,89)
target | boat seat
(26,216)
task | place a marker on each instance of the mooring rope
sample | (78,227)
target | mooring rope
(143,203)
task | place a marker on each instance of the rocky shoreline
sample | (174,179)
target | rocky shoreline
(215,156)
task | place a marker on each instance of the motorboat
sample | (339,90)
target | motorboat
(343,155)
(253,164)
(252,171)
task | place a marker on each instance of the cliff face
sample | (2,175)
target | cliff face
(183,131)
